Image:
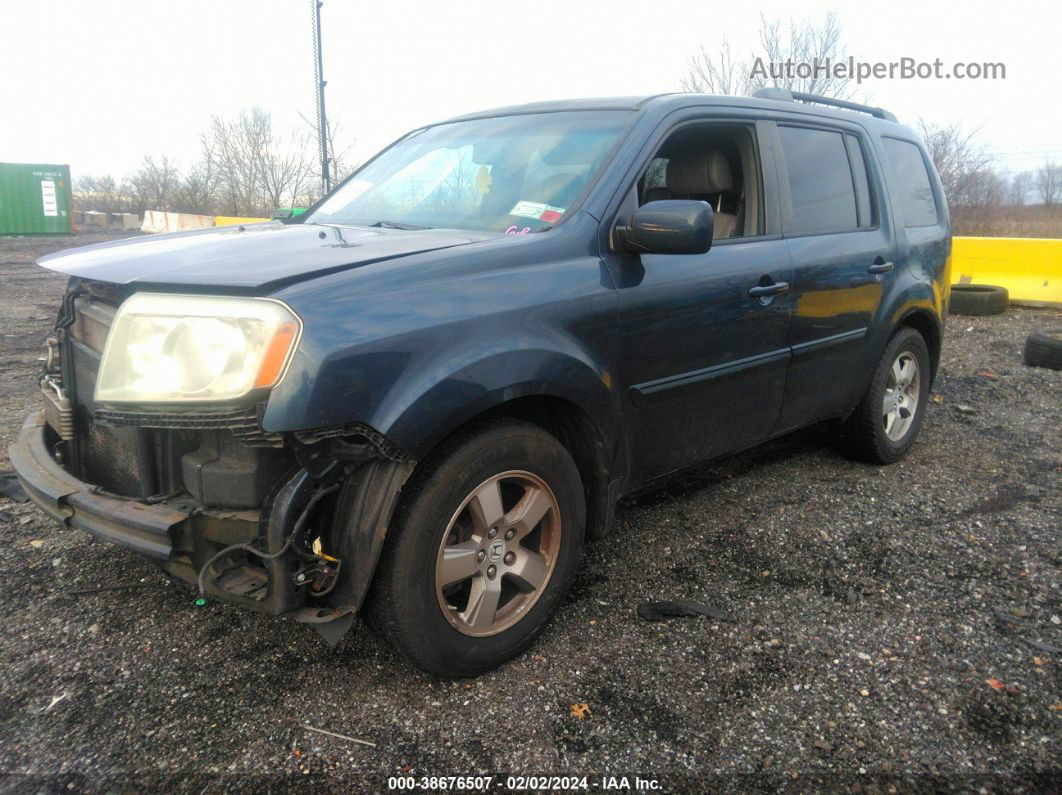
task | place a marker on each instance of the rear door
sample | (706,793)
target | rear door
(838,234)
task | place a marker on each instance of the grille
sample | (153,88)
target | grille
(107,456)
(242,421)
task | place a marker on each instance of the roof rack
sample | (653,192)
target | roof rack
(785,95)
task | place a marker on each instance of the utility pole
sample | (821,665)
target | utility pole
(322,119)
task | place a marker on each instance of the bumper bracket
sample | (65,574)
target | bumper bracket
(145,529)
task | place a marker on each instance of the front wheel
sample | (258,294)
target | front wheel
(885,424)
(483,548)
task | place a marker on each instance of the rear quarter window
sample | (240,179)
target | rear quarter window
(910,181)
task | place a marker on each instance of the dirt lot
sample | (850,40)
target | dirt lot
(870,606)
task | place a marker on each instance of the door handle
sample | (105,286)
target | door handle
(880,266)
(761,290)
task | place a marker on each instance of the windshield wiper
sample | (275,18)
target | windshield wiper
(396,225)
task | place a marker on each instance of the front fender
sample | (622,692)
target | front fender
(417,394)
(432,403)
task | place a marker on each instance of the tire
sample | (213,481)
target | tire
(1044,349)
(978,299)
(868,434)
(443,530)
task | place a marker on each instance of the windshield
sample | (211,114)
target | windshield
(515,174)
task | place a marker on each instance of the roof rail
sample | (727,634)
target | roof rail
(785,95)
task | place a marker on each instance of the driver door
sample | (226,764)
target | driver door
(703,361)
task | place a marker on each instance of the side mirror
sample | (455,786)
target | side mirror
(668,227)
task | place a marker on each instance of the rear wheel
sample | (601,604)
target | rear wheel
(885,424)
(483,548)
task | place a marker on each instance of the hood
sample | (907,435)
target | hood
(246,257)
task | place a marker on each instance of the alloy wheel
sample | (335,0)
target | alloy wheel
(900,403)
(498,553)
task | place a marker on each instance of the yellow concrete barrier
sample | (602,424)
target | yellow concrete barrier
(232,220)
(1029,267)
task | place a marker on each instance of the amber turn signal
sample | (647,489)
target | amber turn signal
(276,355)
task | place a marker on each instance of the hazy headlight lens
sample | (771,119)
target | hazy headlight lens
(170,348)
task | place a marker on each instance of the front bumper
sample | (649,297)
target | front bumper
(179,534)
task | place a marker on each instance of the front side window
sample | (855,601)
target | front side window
(911,178)
(715,163)
(516,174)
(821,185)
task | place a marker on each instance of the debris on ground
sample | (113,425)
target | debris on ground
(355,740)
(55,700)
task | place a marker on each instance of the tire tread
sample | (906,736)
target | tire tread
(862,434)
(392,601)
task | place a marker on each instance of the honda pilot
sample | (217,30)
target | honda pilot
(417,400)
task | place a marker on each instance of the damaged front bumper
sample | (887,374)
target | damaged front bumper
(180,535)
(145,529)
(343,494)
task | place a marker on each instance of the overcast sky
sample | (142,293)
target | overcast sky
(100,84)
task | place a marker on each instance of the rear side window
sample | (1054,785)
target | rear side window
(910,179)
(821,182)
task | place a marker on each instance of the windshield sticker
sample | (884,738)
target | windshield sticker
(527,209)
(537,210)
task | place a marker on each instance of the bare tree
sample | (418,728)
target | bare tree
(154,185)
(286,170)
(197,190)
(103,194)
(197,187)
(258,169)
(340,165)
(718,73)
(974,189)
(339,146)
(1049,182)
(795,58)
(959,159)
(246,168)
(238,146)
(1018,190)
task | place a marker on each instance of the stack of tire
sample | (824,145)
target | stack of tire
(1042,349)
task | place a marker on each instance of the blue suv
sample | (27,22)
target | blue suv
(416,400)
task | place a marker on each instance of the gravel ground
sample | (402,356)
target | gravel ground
(870,608)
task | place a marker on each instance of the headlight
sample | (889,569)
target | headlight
(187,348)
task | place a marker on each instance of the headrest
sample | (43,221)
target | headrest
(699,172)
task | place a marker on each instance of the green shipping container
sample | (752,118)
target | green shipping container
(34,199)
